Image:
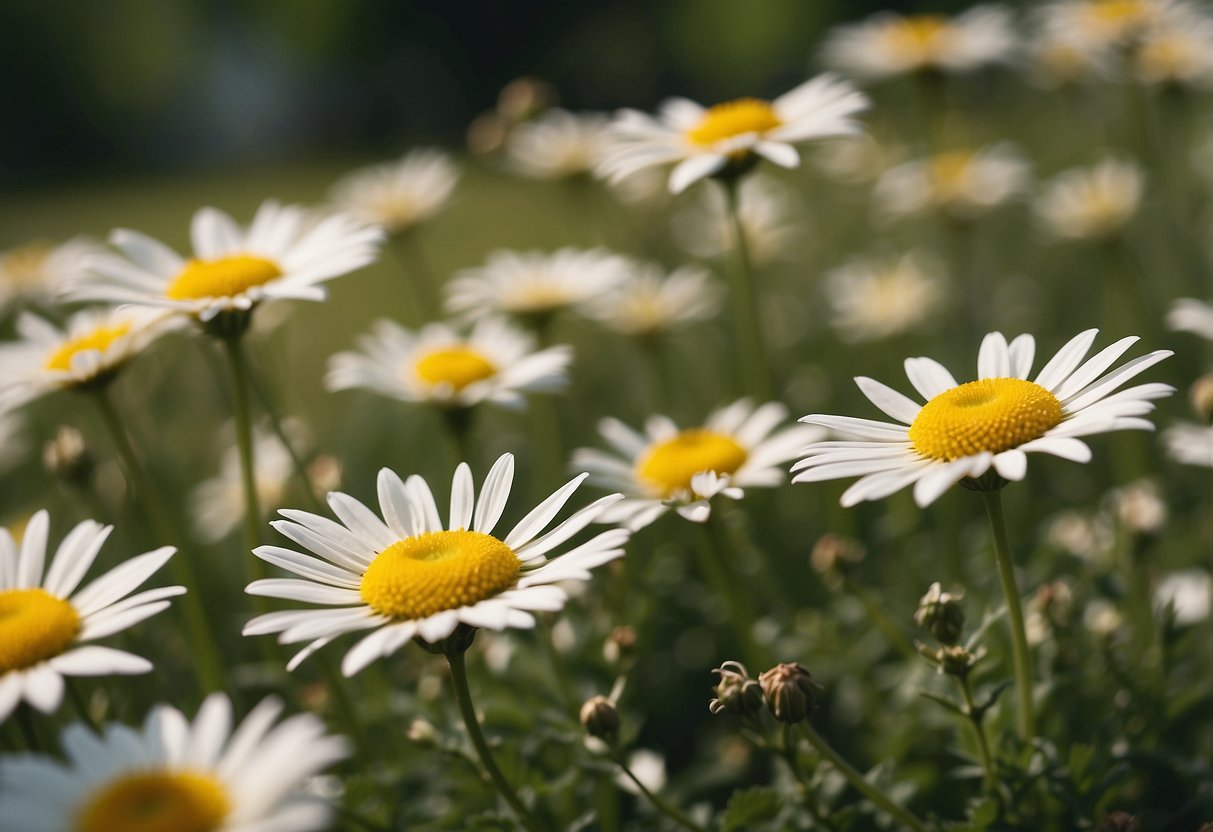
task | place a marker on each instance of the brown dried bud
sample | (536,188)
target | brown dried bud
(941,614)
(599,717)
(736,692)
(790,690)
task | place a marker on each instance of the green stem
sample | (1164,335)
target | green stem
(718,572)
(210,669)
(421,294)
(666,808)
(463,695)
(29,731)
(979,728)
(233,348)
(792,756)
(297,463)
(755,378)
(546,445)
(876,612)
(345,708)
(79,703)
(1019,638)
(903,816)
(560,671)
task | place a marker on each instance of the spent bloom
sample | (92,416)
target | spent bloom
(770,215)
(962,184)
(889,44)
(173,774)
(398,195)
(46,618)
(38,270)
(871,298)
(1093,203)
(701,142)
(284,253)
(407,575)
(652,302)
(991,424)
(557,144)
(495,362)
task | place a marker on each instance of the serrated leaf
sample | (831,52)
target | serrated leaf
(751,806)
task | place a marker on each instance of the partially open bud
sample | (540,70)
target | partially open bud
(736,692)
(790,690)
(67,458)
(952,659)
(941,614)
(1201,396)
(422,732)
(599,718)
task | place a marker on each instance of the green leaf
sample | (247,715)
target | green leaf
(942,700)
(748,807)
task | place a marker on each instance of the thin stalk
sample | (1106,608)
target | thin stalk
(755,377)
(564,682)
(724,581)
(902,815)
(792,756)
(463,695)
(233,348)
(665,807)
(979,728)
(80,705)
(297,464)
(345,708)
(876,612)
(29,731)
(421,293)
(1019,638)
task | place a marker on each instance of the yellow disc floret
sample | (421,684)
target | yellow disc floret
(454,366)
(993,414)
(734,118)
(424,575)
(156,802)
(25,267)
(99,339)
(949,174)
(917,38)
(34,626)
(223,277)
(670,465)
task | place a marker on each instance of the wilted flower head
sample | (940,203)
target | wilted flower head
(1049,610)
(1091,203)
(67,457)
(790,691)
(736,693)
(941,614)
(398,195)
(872,298)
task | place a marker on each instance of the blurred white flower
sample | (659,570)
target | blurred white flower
(1189,444)
(557,144)
(1059,57)
(1188,593)
(1102,618)
(1138,507)
(857,160)
(1176,52)
(651,302)
(649,768)
(218,503)
(876,297)
(534,283)
(1085,536)
(1092,203)
(38,270)
(960,183)
(771,217)
(1191,315)
(399,195)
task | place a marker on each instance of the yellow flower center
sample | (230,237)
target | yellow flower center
(734,118)
(223,277)
(669,465)
(424,575)
(917,33)
(456,366)
(949,173)
(34,626)
(993,414)
(156,802)
(100,339)
(25,266)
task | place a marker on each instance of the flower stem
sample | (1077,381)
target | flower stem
(463,695)
(29,732)
(791,755)
(979,728)
(297,462)
(233,348)
(1019,638)
(80,704)
(880,618)
(724,581)
(665,807)
(755,377)
(903,816)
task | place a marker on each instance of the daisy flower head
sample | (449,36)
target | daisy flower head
(738,446)
(770,213)
(889,44)
(286,252)
(962,184)
(728,138)
(534,284)
(1093,203)
(1057,57)
(557,144)
(652,302)
(494,362)
(1176,53)
(872,298)
(46,618)
(398,195)
(86,352)
(988,425)
(173,775)
(36,271)
(1106,24)
(407,575)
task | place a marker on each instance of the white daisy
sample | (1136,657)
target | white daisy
(534,283)
(858,160)
(961,183)
(283,253)
(1093,203)
(177,776)
(966,430)
(1059,57)
(1189,593)
(217,505)
(399,195)
(771,217)
(408,576)
(557,144)
(38,270)
(1103,24)
(93,345)
(889,44)
(737,446)
(875,298)
(44,620)
(651,302)
(1176,53)
(701,142)
(1189,444)
(1191,315)
(494,363)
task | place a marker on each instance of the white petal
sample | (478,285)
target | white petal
(889,400)
(494,494)
(1012,464)
(693,169)
(1067,358)
(542,514)
(929,377)
(462,498)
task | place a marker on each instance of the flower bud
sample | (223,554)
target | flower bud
(422,732)
(955,660)
(599,717)
(941,614)
(67,457)
(1201,396)
(736,692)
(620,645)
(790,690)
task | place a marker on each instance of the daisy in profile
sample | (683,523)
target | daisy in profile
(737,447)
(991,424)
(36,271)
(86,353)
(771,217)
(173,774)
(284,253)
(1095,203)
(701,142)
(399,195)
(871,298)
(494,362)
(959,183)
(534,285)
(889,44)
(557,144)
(652,302)
(408,575)
(46,618)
